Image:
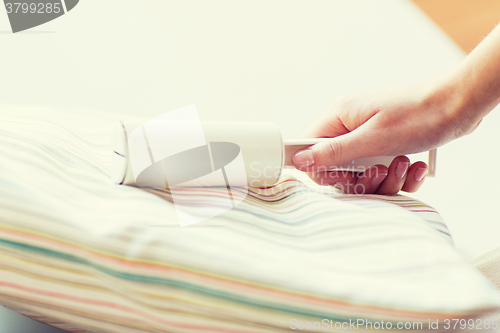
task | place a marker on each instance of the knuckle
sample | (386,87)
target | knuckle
(333,152)
(341,102)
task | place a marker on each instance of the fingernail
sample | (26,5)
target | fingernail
(378,179)
(401,169)
(420,174)
(303,158)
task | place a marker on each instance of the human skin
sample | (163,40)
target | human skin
(403,121)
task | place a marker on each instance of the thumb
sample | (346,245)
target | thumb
(334,152)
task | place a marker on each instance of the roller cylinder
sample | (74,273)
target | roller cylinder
(225,154)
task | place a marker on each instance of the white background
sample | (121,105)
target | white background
(280,61)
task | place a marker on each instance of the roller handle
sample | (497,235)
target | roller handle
(357,165)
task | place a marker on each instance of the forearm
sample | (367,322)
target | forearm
(474,86)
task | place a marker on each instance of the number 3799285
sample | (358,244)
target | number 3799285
(33,8)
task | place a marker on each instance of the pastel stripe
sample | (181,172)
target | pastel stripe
(84,254)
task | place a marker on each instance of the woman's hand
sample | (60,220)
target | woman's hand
(404,121)
(393,122)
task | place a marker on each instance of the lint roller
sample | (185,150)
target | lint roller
(215,154)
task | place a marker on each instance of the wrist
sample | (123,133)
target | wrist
(455,98)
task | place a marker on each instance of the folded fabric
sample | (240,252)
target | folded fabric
(84,254)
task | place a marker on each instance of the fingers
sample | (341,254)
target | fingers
(396,177)
(334,152)
(333,178)
(402,176)
(330,124)
(378,179)
(344,123)
(353,183)
(416,176)
(327,126)
(371,179)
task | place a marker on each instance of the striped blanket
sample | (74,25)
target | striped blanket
(86,255)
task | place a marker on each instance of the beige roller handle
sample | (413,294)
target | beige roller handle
(357,165)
